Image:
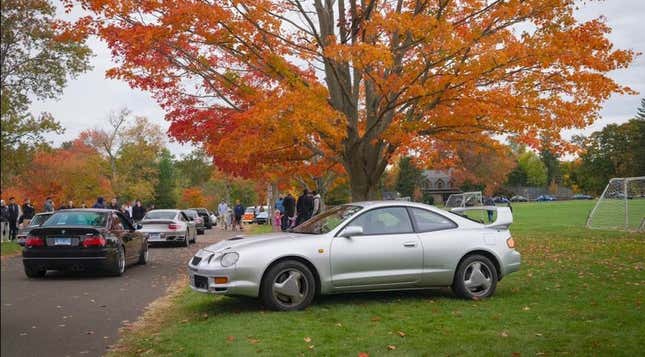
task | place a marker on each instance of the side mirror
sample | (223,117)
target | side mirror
(138,226)
(352,231)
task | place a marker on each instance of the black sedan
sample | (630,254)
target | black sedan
(80,239)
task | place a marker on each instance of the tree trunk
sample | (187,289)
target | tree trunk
(365,166)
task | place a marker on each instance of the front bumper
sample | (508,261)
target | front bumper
(202,279)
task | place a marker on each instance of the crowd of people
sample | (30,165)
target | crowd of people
(16,215)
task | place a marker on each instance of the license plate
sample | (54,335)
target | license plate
(62,241)
(156,236)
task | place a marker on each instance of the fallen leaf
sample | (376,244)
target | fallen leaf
(504,334)
(339,325)
(307,339)
(401,333)
(516,354)
(89,332)
(311,347)
(538,334)
(230,338)
(363,354)
(526,308)
(376,318)
(391,347)
(253,341)
(23,334)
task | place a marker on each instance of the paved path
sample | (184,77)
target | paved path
(80,314)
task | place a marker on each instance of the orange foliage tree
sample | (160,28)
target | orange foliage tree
(355,82)
(192,197)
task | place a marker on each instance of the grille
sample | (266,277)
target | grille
(196,260)
(201,282)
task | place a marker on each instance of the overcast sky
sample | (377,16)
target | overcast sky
(87,100)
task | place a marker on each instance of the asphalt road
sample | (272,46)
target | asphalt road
(80,314)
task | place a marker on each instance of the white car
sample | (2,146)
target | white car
(168,225)
(364,246)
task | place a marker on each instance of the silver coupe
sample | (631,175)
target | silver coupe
(364,246)
(168,225)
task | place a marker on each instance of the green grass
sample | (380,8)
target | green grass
(257,228)
(10,248)
(579,292)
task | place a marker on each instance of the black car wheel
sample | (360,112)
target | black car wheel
(118,266)
(476,278)
(288,286)
(35,272)
(144,255)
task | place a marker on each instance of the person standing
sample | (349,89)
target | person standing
(13,213)
(277,221)
(307,206)
(124,210)
(100,203)
(49,205)
(69,205)
(300,207)
(4,220)
(289,204)
(114,204)
(488,201)
(28,211)
(317,206)
(222,211)
(238,211)
(138,211)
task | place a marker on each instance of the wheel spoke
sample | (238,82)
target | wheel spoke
(290,287)
(477,278)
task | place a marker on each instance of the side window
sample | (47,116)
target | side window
(116,223)
(124,222)
(429,221)
(389,220)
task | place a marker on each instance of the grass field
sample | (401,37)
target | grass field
(579,292)
(10,248)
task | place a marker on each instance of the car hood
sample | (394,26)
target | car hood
(240,242)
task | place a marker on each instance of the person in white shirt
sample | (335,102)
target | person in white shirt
(222,212)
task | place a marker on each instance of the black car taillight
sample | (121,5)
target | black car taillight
(33,241)
(93,241)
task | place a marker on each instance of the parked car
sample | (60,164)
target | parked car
(79,239)
(213,217)
(206,217)
(519,199)
(36,221)
(197,219)
(580,196)
(249,215)
(365,246)
(545,198)
(500,199)
(168,225)
(262,215)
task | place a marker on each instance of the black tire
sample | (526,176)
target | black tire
(306,284)
(34,272)
(143,256)
(118,266)
(465,271)
(200,231)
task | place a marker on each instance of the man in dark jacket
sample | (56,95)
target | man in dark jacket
(138,211)
(114,204)
(289,204)
(100,203)
(28,211)
(13,213)
(238,212)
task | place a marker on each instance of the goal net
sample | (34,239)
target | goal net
(621,206)
(466,199)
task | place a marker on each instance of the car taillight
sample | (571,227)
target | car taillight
(93,241)
(172,226)
(33,241)
(510,242)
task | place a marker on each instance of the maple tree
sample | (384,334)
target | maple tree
(357,83)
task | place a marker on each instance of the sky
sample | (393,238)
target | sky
(88,99)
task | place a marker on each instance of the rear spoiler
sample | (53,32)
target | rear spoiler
(504,215)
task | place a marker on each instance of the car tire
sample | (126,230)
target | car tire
(118,266)
(298,286)
(200,231)
(33,272)
(475,279)
(144,256)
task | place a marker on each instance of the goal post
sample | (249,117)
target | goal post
(621,205)
(466,199)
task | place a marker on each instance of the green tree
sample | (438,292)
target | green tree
(614,151)
(530,171)
(640,112)
(409,176)
(36,57)
(165,196)
(552,164)
(194,169)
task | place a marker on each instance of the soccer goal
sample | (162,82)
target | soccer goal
(466,199)
(621,206)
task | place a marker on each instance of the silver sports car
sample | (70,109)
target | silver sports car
(168,225)
(365,246)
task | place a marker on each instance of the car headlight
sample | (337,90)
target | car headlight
(229,259)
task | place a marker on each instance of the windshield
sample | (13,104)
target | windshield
(325,222)
(160,215)
(39,219)
(67,218)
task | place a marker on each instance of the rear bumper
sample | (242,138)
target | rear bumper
(511,262)
(163,237)
(64,259)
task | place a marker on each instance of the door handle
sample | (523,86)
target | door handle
(410,244)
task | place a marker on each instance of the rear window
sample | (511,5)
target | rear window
(160,215)
(67,218)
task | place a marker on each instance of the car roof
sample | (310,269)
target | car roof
(164,210)
(97,210)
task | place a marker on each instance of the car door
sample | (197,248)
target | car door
(443,245)
(130,238)
(387,255)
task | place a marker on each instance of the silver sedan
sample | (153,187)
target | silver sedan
(365,246)
(168,225)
